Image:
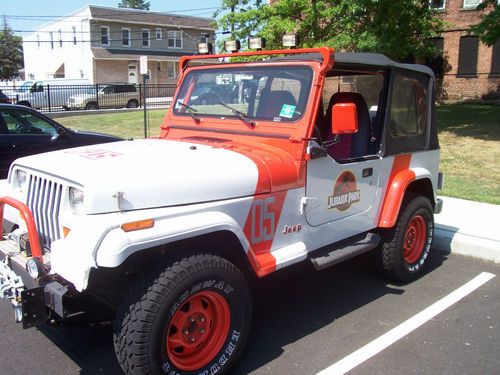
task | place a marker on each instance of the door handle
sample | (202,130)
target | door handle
(367,172)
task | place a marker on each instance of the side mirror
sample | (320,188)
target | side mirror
(344,118)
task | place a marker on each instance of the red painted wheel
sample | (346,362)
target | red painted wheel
(184,316)
(404,249)
(414,239)
(197,330)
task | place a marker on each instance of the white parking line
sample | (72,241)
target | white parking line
(376,346)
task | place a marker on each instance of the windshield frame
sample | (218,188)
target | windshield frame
(304,95)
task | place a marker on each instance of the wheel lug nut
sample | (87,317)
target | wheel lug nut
(202,319)
(202,331)
(192,339)
(186,332)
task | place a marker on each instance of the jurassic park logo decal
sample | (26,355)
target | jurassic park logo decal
(345,192)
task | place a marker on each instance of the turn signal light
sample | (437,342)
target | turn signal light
(137,225)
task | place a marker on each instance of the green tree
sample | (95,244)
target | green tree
(400,29)
(134,4)
(11,55)
(488,29)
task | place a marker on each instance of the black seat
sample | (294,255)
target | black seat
(350,145)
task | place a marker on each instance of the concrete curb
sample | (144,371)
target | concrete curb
(468,228)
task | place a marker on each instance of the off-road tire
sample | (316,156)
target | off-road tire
(405,247)
(146,337)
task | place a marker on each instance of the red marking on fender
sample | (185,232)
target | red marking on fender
(259,254)
(401,176)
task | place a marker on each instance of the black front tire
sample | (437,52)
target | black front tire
(405,247)
(174,315)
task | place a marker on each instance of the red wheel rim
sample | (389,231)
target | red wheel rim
(414,240)
(198,330)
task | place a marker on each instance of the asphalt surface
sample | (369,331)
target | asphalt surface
(304,321)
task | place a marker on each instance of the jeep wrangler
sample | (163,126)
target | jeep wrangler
(318,156)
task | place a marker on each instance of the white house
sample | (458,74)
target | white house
(104,44)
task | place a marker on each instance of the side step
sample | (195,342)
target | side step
(344,250)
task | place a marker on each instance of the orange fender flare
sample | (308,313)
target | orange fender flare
(394,197)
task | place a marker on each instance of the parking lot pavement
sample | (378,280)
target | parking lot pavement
(305,321)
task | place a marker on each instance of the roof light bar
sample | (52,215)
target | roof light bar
(290,40)
(256,43)
(205,48)
(232,45)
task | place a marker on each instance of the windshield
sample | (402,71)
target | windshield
(277,94)
(25,86)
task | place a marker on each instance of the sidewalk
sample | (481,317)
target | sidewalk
(468,228)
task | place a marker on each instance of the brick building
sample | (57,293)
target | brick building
(467,69)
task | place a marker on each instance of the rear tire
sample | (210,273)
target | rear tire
(406,247)
(91,106)
(185,317)
(25,103)
(132,103)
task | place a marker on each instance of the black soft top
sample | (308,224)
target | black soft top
(362,59)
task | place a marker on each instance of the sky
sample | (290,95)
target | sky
(24,16)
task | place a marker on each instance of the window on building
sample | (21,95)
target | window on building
(38,40)
(158,33)
(467,56)
(125,37)
(104,36)
(437,4)
(175,39)
(51,40)
(60,38)
(73,28)
(158,66)
(171,69)
(471,3)
(436,62)
(145,38)
(495,59)
(204,38)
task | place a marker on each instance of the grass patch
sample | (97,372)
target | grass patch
(125,124)
(469,135)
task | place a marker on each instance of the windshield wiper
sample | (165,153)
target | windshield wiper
(239,114)
(191,112)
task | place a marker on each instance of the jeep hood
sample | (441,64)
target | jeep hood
(149,173)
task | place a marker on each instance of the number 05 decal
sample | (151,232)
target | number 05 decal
(263,220)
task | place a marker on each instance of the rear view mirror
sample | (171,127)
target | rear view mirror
(344,118)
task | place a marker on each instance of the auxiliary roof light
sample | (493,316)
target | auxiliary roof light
(290,40)
(205,48)
(256,43)
(232,45)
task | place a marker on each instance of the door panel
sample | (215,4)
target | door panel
(342,191)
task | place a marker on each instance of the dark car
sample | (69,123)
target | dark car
(24,131)
(4,98)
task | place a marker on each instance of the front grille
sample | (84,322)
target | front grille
(44,201)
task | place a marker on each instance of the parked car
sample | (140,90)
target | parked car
(47,93)
(4,98)
(213,94)
(24,131)
(116,95)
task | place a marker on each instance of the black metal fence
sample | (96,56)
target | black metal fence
(55,97)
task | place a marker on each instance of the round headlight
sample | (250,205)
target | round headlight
(21,180)
(33,267)
(76,200)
